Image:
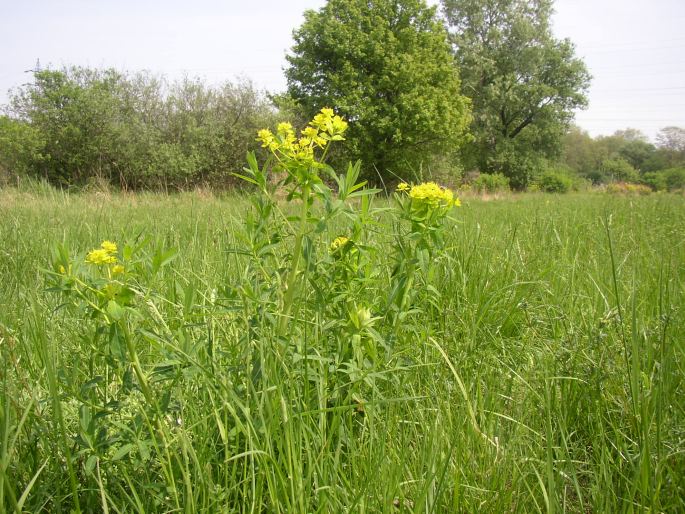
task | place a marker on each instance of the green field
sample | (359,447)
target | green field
(536,362)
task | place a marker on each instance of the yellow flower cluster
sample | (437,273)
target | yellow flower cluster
(325,127)
(103,255)
(430,193)
(339,243)
(329,123)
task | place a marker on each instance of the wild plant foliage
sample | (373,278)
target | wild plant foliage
(313,330)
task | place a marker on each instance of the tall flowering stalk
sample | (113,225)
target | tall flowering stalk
(298,158)
(111,285)
(425,207)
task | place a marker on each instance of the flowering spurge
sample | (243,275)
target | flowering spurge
(112,286)
(430,194)
(293,153)
(425,204)
(106,254)
(302,159)
(425,207)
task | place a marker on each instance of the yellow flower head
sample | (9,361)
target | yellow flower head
(103,255)
(403,187)
(117,269)
(109,246)
(268,140)
(312,135)
(320,121)
(325,127)
(338,126)
(310,132)
(432,194)
(326,121)
(284,127)
(100,256)
(286,134)
(339,243)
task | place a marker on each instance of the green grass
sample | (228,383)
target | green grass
(544,374)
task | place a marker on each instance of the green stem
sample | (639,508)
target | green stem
(140,375)
(291,281)
(151,401)
(406,293)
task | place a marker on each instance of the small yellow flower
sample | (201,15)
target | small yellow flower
(284,128)
(433,195)
(109,246)
(312,135)
(338,126)
(403,186)
(268,140)
(100,256)
(117,269)
(264,135)
(310,132)
(326,121)
(62,270)
(339,243)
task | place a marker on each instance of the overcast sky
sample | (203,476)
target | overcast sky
(634,49)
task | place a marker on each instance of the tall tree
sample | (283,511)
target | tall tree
(671,138)
(524,83)
(671,143)
(387,66)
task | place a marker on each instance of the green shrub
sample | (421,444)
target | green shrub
(619,170)
(654,180)
(73,125)
(490,183)
(21,147)
(596,177)
(671,179)
(674,178)
(554,181)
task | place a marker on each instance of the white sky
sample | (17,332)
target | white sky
(634,49)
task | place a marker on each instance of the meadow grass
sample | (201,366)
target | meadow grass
(544,371)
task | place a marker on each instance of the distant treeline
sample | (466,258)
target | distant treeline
(480,94)
(627,156)
(78,125)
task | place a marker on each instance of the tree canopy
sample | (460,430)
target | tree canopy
(524,83)
(386,65)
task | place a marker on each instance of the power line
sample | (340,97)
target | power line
(602,43)
(632,49)
(628,120)
(642,66)
(631,45)
(639,89)
(651,74)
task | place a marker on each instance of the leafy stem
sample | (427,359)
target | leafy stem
(291,281)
